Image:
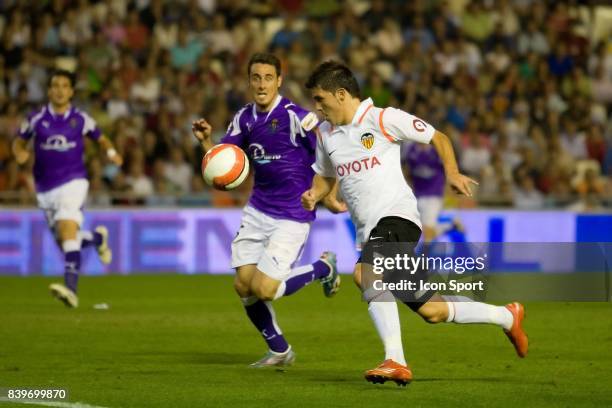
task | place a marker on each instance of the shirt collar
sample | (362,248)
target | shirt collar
(274,105)
(361,110)
(52,112)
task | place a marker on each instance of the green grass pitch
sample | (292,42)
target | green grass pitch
(184,341)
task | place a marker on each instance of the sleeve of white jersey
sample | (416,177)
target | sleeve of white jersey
(322,165)
(402,126)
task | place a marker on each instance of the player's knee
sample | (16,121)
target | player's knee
(264,292)
(434,318)
(241,288)
(433,312)
(66,230)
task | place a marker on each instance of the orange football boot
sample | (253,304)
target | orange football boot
(389,370)
(516,334)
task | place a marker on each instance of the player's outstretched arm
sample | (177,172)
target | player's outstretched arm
(459,182)
(321,186)
(20,150)
(111,153)
(202,130)
(332,203)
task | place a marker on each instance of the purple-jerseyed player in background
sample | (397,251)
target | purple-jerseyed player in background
(423,165)
(57,132)
(278,137)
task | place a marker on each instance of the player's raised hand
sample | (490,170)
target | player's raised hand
(461,184)
(202,130)
(309,200)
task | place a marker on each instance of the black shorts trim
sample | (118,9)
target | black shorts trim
(395,229)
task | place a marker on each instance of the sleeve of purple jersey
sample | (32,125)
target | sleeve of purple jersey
(90,128)
(26,129)
(234,134)
(309,133)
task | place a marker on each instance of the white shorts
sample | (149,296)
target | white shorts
(64,202)
(274,245)
(429,208)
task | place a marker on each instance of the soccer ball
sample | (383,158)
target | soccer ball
(225,166)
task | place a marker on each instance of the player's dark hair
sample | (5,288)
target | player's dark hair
(331,76)
(265,58)
(62,73)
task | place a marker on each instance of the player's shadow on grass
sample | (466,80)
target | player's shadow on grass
(201,358)
(481,379)
(358,380)
(223,358)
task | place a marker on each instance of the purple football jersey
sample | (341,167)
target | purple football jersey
(426,169)
(58,145)
(281,153)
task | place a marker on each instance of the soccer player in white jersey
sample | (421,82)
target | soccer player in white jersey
(57,131)
(359,144)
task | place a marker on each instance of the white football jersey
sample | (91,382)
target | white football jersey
(365,158)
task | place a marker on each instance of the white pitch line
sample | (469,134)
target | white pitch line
(49,403)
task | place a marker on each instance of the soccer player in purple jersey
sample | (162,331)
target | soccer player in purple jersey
(428,181)
(278,137)
(56,131)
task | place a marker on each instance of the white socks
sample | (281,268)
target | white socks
(385,316)
(462,309)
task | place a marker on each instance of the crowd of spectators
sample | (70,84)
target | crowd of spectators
(522,87)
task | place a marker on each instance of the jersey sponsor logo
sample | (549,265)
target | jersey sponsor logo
(59,143)
(419,125)
(357,166)
(258,154)
(367,140)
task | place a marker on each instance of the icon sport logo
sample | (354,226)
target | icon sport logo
(367,140)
